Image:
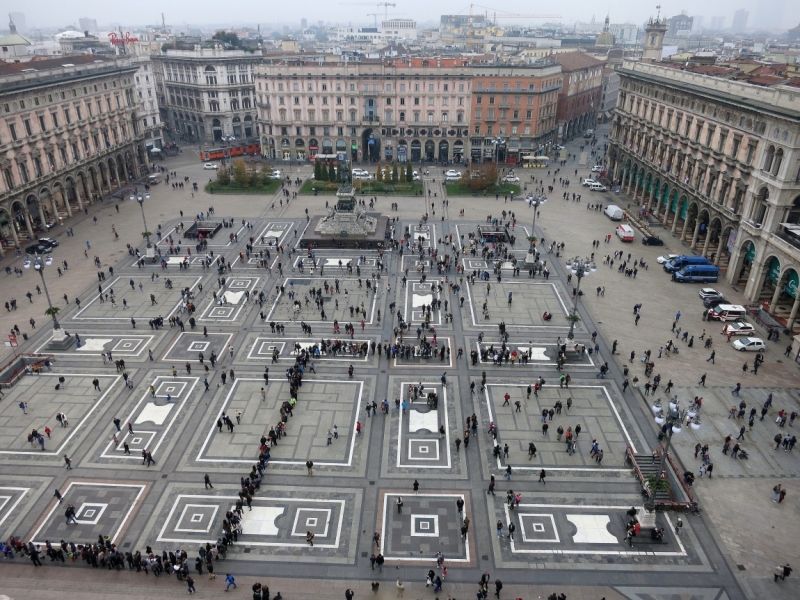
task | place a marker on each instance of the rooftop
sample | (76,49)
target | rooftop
(575,61)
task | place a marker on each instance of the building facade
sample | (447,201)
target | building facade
(148,113)
(608,99)
(205,94)
(408,109)
(513,110)
(68,134)
(717,162)
(579,96)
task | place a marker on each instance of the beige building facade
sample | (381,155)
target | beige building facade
(717,162)
(69,133)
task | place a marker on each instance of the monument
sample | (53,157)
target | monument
(347,224)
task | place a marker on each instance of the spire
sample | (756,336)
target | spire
(608,21)
(12,28)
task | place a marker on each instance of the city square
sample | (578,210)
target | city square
(320,378)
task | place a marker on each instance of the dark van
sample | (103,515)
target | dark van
(696,274)
(676,264)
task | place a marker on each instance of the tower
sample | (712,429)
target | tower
(654,38)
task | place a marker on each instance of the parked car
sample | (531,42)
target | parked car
(666,258)
(452,175)
(38,249)
(738,329)
(587,182)
(597,168)
(359,172)
(208,166)
(511,179)
(48,242)
(713,301)
(598,187)
(705,292)
(749,344)
(652,240)
(275,175)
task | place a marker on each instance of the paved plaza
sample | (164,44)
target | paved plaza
(177,384)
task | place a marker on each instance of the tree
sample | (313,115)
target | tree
(394,172)
(654,483)
(52,311)
(223,176)
(240,176)
(402,174)
(331,172)
(409,173)
(379,174)
(573,318)
(317,170)
(481,177)
(227,37)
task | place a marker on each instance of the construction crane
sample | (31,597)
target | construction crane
(385,6)
(503,15)
(376,15)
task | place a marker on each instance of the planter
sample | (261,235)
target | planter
(695,426)
(676,428)
(660,420)
(691,414)
(656,408)
(673,406)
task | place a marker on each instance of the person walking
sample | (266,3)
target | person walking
(416,486)
(542,475)
(208,482)
(229,581)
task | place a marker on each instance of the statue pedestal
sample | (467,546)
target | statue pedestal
(60,340)
(150,252)
(530,258)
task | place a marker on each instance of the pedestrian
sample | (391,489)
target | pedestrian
(58,495)
(416,486)
(782,572)
(230,581)
(310,538)
(208,482)
(68,461)
(310,467)
(702,381)
(542,475)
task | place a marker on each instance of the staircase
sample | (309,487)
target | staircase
(643,463)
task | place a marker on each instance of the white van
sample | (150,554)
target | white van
(615,213)
(598,187)
(727,312)
(625,233)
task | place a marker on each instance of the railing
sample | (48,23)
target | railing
(7,380)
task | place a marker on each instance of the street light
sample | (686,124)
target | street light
(39,265)
(580,269)
(670,422)
(536,202)
(146,233)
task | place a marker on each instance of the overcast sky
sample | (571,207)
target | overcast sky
(781,14)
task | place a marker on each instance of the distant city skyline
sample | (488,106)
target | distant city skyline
(771,14)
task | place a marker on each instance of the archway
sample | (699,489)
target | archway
(21,220)
(771,286)
(248,126)
(72,194)
(747,255)
(416,151)
(430,150)
(371,145)
(35,212)
(216,128)
(444,154)
(122,172)
(7,229)
(103,185)
(113,177)
(60,199)
(237,127)
(402,151)
(458,151)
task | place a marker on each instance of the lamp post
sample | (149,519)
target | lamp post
(536,202)
(150,249)
(580,269)
(39,265)
(670,422)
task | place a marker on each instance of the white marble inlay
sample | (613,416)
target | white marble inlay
(261,520)
(93,344)
(591,529)
(233,297)
(418,421)
(154,413)
(536,353)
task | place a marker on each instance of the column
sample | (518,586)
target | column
(28,224)
(13,229)
(775,295)
(707,242)
(695,233)
(41,214)
(675,220)
(793,314)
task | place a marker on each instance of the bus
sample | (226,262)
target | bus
(235,150)
(535,162)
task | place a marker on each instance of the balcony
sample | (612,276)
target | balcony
(788,233)
(491,119)
(371,119)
